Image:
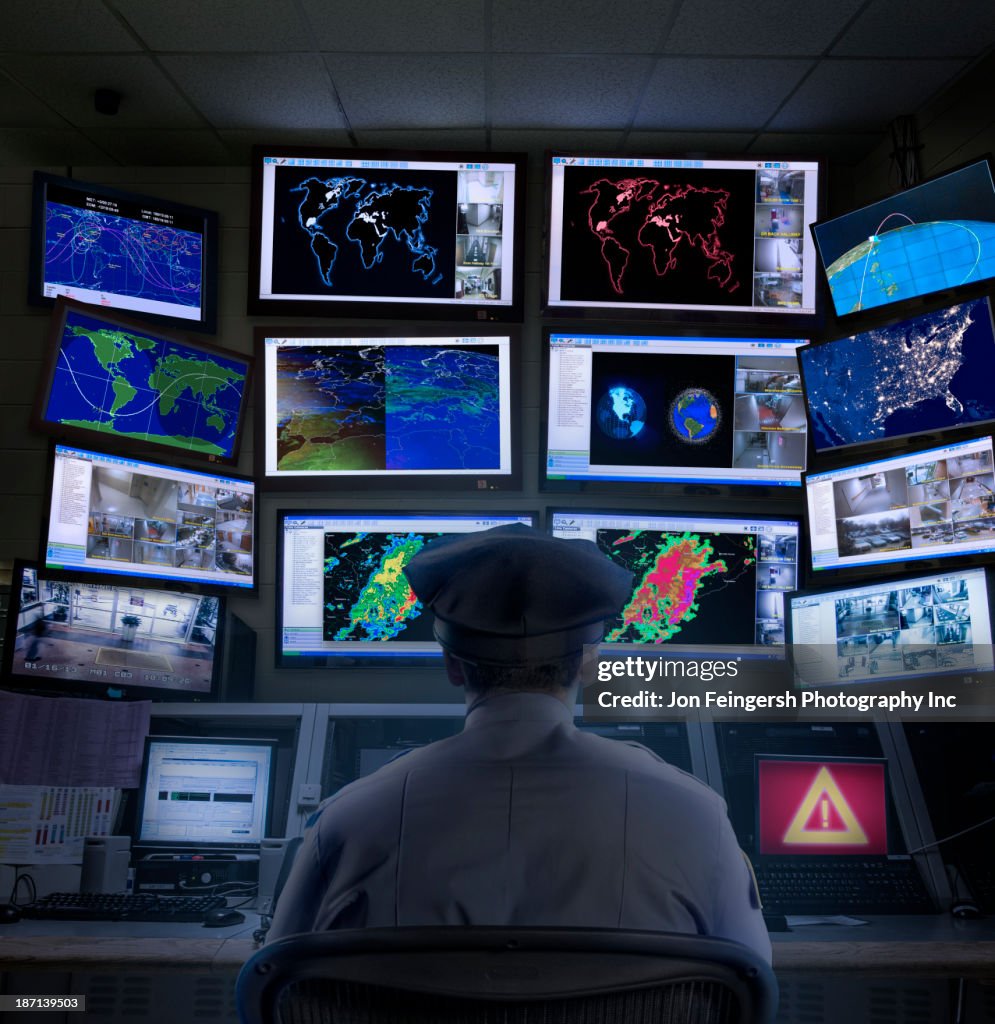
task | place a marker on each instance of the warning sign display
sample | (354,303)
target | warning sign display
(822,807)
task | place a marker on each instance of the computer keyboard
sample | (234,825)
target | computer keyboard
(98,906)
(859,887)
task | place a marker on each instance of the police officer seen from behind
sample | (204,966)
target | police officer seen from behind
(521,819)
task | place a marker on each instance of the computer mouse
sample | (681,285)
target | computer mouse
(222,917)
(965,910)
(9,914)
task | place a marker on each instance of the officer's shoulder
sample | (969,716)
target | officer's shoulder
(640,759)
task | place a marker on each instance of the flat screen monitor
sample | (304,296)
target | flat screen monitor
(114,379)
(89,638)
(700,582)
(932,372)
(143,520)
(899,630)
(389,409)
(933,237)
(638,409)
(938,503)
(646,236)
(124,251)
(382,233)
(820,807)
(205,794)
(342,595)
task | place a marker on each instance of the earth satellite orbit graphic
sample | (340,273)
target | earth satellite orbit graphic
(128,384)
(621,413)
(694,416)
(903,260)
(672,222)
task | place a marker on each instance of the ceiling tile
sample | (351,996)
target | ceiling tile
(67,84)
(384,26)
(221,25)
(429,138)
(55,26)
(48,147)
(777,28)
(581,26)
(528,140)
(239,142)
(258,91)
(19,109)
(686,143)
(438,92)
(161,148)
(566,92)
(709,95)
(854,95)
(920,28)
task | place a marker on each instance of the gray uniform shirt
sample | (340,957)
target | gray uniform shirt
(522,819)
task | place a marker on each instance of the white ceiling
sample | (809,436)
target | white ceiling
(203,80)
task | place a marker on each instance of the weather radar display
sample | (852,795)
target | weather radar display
(930,238)
(114,376)
(932,372)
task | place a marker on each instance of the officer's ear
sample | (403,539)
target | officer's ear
(454,669)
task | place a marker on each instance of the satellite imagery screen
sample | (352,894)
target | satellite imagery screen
(938,235)
(931,372)
(156,263)
(350,408)
(124,382)
(656,236)
(365,232)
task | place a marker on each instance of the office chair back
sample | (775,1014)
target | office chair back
(505,976)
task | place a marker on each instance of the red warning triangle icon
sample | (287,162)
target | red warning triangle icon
(824,817)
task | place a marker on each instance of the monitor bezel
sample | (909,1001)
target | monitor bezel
(440,480)
(208,322)
(160,845)
(890,810)
(841,454)
(616,488)
(134,579)
(928,564)
(902,308)
(764,656)
(82,435)
(885,684)
(308,307)
(429,659)
(124,691)
(735,318)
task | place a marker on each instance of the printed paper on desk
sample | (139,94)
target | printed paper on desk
(47,824)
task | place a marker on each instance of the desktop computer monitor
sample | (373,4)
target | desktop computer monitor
(118,380)
(366,232)
(935,504)
(88,638)
(930,373)
(342,597)
(906,630)
(701,239)
(137,521)
(935,236)
(205,795)
(382,408)
(701,582)
(130,252)
(624,409)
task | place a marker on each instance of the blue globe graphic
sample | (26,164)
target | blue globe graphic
(621,413)
(695,415)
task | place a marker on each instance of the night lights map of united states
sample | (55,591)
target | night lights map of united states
(120,381)
(689,587)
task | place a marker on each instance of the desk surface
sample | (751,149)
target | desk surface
(934,945)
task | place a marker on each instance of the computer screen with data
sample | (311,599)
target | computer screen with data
(897,630)
(935,236)
(341,591)
(641,409)
(205,793)
(390,408)
(928,373)
(129,518)
(938,503)
(707,239)
(699,581)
